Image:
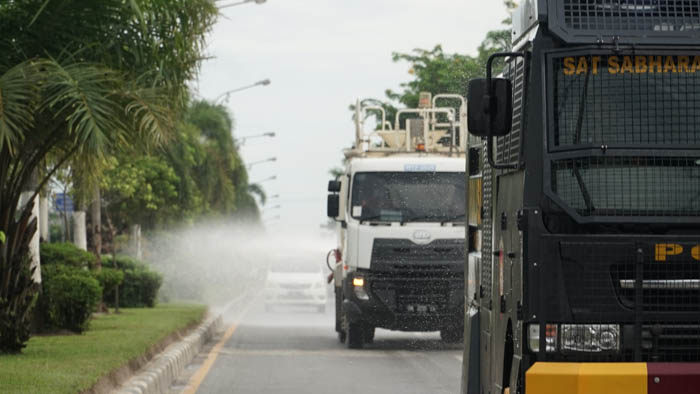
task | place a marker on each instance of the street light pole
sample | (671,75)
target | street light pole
(243,2)
(271,159)
(272,178)
(227,93)
(242,140)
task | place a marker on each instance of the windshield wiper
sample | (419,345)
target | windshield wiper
(417,218)
(453,218)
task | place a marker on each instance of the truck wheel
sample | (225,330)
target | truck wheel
(452,334)
(338,313)
(355,336)
(368,334)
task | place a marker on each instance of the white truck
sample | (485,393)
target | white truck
(400,213)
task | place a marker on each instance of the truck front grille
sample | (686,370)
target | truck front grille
(417,293)
(670,342)
(666,286)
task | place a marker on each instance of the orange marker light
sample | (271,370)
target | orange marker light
(420,148)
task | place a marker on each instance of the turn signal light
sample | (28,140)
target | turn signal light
(420,147)
(358,282)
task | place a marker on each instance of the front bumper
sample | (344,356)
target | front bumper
(404,303)
(617,378)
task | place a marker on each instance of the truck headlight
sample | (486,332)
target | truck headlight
(533,337)
(592,338)
(358,285)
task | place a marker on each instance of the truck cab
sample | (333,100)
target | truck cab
(401,226)
(588,280)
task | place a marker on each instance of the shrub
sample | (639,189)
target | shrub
(139,287)
(66,254)
(123,262)
(70,295)
(109,279)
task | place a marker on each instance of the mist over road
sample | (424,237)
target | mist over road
(295,350)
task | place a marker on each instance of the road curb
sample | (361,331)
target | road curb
(159,374)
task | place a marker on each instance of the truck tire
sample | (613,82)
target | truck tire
(338,313)
(452,334)
(368,334)
(355,336)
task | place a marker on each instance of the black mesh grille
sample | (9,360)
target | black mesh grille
(486,229)
(632,15)
(647,288)
(629,186)
(508,147)
(604,101)
(666,286)
(671,341)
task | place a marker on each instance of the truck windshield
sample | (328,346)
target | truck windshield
(409,196)
(649,103)
(626,101)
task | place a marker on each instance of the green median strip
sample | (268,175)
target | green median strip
(72,363)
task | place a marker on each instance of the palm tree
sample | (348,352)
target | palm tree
(256,189)
(78,80)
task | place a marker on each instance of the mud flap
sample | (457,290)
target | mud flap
(471,360)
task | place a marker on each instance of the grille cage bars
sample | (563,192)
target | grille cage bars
(626,100)
(486,232)
(632,15)
(629,186)
(508,148)
(650,324)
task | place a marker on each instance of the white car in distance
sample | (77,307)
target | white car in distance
(295,283)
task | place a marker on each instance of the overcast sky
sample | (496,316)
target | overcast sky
(321,55)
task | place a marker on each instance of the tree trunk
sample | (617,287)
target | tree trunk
(44,218)
(34,242)
(96,214)
(136,248)
(79,231)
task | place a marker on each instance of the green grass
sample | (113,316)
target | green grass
(72,363)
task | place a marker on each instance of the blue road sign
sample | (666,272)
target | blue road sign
(64,202)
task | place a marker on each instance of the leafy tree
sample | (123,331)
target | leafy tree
(80,79)
(197,174)
(141,190)
(437,72)
(215,175)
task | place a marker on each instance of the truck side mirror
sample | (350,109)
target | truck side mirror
(490,116)
(333,186)
(333,206)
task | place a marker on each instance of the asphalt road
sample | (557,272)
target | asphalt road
(295,350)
